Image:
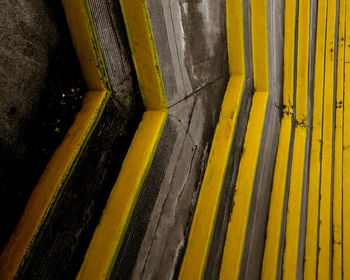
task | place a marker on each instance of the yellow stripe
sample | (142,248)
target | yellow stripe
(346,150)
(62,162)
(259,44)
(272,245)
(84,42)
(325,250)
(139,29)
(290,258)
(311,245)
(302,63)
(109,235)
(337,270)
(234,244)
(273,237)
(235,40)
(289,41)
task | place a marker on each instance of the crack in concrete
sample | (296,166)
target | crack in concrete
(184,128)
(196,91)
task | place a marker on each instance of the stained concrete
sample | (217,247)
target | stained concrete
(34,43)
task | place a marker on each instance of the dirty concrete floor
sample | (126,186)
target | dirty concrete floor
(35,50)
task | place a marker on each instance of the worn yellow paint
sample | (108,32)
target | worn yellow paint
(65,156)
(302,64)
(235,237)
(49,184)
(274,228)
(275,220)
(337,269)
(139,29)
(346,150)
(109,233)
(325,227)
(311,243)
(289,46)
(234,245)
(290,257)
(197,250)
(84,41)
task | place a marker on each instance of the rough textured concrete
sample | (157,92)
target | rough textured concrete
(34,44)
(191,43)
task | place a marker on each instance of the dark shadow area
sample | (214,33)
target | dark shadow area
(41,91)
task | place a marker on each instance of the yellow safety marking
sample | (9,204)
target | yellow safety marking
(290,258)
(337,270)
(108,236)
(274,227)
(200,237)
(325,250)
(289,46)
(346,149)
(273,237)
(311,244)
(141,41)
(84,42)
(259,44)
(235,40)
(235,237)
(49,184)
(109,233)
(234,245)
(62,162)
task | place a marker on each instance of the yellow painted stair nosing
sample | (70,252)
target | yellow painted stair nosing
(274,235)
(346,149)
(297,184)
(235,237)
(311,243)
(337,262)
(325,226)
(108,236)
